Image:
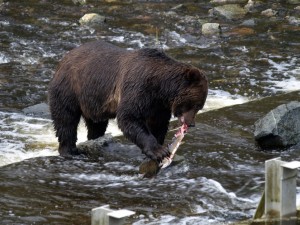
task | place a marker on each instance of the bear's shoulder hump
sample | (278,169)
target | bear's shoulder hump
(153,53)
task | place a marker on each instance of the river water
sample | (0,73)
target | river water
(251,69)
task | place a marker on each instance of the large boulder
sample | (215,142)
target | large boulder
(280,127)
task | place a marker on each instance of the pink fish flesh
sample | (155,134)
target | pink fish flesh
(176,141)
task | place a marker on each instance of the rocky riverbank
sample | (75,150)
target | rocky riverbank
(220,16)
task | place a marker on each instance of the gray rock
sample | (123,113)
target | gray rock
(249,23)
(211,28)
(280,127)
(81,2)
(39,110)
(293,20)
(110,149)
(269,13)
(230,11)
(254,6)
(92,19)
(95,148)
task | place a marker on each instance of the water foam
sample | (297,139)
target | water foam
(169,219)
(206,210)
(4,58)
(24,137)
(289,68)
(218,99)
(101,177)
(291,84)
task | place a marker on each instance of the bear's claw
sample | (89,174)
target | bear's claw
(159,154)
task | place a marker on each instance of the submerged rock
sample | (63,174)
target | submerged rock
(39,110)
(230,11)
(280,127)
(211,28)
(92,19)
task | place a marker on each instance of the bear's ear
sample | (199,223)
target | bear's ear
(192,75)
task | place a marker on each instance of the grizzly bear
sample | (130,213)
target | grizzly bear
(141,88)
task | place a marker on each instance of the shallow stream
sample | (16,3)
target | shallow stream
(222,177)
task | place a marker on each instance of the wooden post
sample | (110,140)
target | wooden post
(280,188)
(272,188)
(288,189)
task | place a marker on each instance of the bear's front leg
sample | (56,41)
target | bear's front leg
(153,150)
(136,130)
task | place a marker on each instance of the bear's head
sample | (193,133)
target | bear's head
(191,96)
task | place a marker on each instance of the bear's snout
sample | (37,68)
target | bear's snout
(188,118)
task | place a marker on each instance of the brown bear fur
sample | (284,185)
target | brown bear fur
(142,88)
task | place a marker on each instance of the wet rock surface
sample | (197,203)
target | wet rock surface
(81,2)
(92,19)
(269,13)
(293,20)
(254,6)
(249,23)
(280,127)
(211,28)
(38,110)
(110,149)
(230,11)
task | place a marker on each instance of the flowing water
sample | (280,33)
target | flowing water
(222,176)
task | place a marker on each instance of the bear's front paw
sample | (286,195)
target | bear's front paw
(158,153)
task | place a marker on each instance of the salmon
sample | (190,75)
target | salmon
(150,168)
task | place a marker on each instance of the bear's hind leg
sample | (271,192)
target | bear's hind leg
(66,131)
(95,130)
(65,123)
